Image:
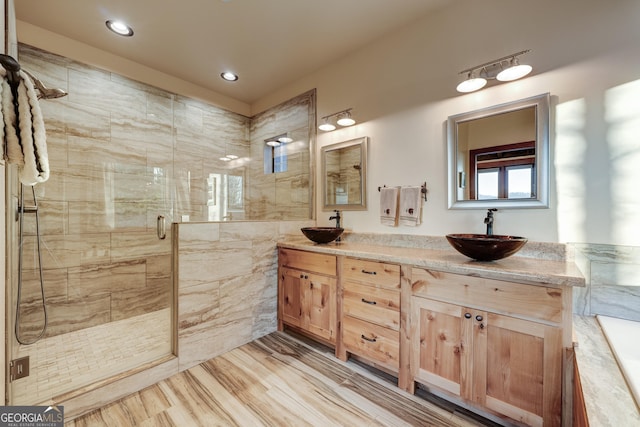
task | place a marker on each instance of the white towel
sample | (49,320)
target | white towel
(389,206)
(410,206)
(26,141)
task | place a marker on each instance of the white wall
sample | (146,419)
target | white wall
(586,53)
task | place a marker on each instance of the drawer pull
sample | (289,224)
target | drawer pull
(367,339)
(467,315)
(369,272)
(368,302)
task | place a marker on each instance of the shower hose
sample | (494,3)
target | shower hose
(21,212)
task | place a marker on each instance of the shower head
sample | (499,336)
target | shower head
(45,92)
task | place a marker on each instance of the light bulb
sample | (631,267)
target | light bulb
(229,76)
(514,72)
(120,28)
(326,126)
(471,84)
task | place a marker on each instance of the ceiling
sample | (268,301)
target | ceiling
(268,43)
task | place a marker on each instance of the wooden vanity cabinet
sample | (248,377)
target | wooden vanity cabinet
(496,345)
(371,311)
(307,293)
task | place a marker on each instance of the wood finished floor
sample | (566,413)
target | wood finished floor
(275,381)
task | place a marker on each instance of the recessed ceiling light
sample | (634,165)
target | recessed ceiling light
(229,76)
(120,28)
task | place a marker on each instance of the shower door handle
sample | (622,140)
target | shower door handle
(162,234)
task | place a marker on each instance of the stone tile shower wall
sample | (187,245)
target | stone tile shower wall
(285,195)
(110,146)
(613,281)
(121,153)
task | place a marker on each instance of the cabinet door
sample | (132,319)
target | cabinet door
(290,297)
(524,370)
(318,300)
(439,353)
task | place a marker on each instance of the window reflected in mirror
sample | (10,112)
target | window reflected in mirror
(498,156)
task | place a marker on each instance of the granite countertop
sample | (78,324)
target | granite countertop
(516,268)
(607,397)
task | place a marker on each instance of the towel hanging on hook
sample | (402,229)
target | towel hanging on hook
(23,133)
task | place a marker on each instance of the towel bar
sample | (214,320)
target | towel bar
(423,190)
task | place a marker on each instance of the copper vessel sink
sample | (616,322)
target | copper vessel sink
(322,234)
(486,248)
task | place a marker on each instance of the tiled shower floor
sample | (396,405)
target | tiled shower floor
(67,362)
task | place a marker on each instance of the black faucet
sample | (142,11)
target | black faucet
(337,218)
(489,221)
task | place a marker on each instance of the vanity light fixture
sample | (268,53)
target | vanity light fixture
(276,141)
(229,76)
(515,71)
(326,125)
(343,119)
(471,84)
(119,28)
(504,69)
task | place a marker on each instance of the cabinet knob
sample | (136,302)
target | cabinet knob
(479,318)
(467,315)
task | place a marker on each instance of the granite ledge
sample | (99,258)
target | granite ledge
(526,270)
(607,397)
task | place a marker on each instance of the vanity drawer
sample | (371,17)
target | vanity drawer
(376,305)
(372,342)
(371,272)
(509,298)
(308,261)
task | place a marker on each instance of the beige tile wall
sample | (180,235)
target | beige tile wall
(122,153)
(101,257)
(227,285)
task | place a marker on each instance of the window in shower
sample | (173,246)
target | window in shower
(225,196)
(275,155)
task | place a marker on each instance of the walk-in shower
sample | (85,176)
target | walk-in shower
(16,126)
(124,155)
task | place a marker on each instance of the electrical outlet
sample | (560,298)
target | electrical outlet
(19,368)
